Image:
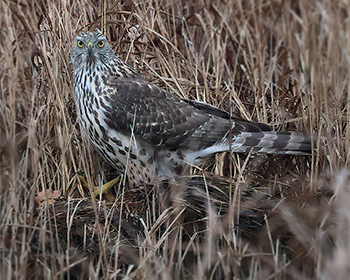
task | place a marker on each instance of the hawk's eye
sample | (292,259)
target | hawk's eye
(80,44)
(101,43)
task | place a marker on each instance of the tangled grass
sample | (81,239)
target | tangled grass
(284,63)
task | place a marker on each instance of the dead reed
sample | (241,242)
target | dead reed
(284,63)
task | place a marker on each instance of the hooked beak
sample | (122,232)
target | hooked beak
(90,48)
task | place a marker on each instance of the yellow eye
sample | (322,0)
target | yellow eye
(101,43)
(80,44)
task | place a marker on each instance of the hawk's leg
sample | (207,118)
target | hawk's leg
(104,190)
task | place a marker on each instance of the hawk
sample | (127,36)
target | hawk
(150,134)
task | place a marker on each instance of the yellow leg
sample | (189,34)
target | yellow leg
(104,190)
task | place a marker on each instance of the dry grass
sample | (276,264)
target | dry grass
(285,63)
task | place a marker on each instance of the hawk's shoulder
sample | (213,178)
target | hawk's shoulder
(133,104)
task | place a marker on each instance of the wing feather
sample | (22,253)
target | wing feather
(166,120)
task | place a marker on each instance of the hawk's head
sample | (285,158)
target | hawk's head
(91,49)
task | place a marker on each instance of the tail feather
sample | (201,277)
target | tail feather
(270,142)
(297,143)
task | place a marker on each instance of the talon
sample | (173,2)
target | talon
(103,190)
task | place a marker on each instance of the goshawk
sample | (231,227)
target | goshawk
(149,133)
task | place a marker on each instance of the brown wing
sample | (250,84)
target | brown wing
(166,120)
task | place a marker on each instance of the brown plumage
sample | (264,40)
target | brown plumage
(149,133)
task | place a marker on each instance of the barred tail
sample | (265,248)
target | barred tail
(271,142)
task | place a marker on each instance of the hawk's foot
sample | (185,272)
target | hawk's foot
(103,190)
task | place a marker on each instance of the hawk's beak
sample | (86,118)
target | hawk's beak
(90,48)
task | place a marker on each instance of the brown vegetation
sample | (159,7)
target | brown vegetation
(284,63)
